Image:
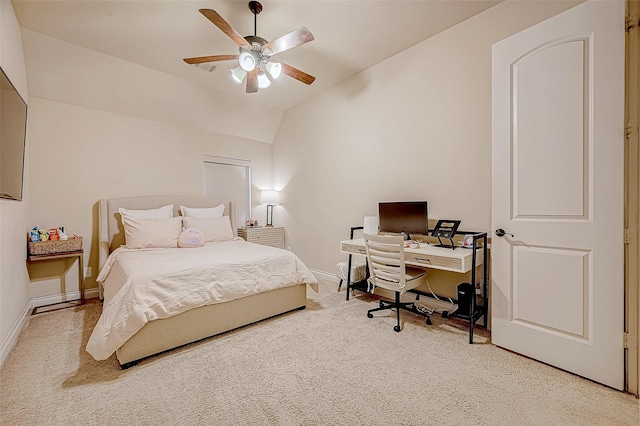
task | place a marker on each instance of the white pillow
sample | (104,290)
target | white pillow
(151,233)
(203,213)
(216,229)
(165,212)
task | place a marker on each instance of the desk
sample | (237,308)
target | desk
(427,256)
(72,254)
(461,260)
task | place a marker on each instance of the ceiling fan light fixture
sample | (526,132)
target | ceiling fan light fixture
(255,53)
(263,80)
(238,74)
(274,69)
(247,61)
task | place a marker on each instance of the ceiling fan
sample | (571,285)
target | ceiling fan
(254,59)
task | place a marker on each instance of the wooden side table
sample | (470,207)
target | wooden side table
(266,235)
(71,254)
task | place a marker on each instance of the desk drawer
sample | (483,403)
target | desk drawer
(432,260)
(354,248)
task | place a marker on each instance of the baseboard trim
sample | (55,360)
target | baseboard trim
(331,277)
(12,337)
(92,293)
(59,298)
(23,319)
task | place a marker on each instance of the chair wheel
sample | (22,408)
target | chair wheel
(396,328)
(429,321)
(381,304)
(369,315)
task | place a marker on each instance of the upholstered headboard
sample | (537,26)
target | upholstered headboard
(111,232)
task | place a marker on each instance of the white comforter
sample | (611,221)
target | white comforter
(145,285)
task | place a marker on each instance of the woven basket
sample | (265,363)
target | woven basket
(55,247)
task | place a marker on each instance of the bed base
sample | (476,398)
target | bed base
(199,323)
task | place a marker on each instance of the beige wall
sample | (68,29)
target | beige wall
(101,127)
(14,283)
(414,127)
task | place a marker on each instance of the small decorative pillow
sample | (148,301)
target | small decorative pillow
(191,237)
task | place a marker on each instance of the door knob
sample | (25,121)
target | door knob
(501,233)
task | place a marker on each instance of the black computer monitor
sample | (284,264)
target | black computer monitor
(403,217)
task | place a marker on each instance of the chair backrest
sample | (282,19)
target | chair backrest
(385,256)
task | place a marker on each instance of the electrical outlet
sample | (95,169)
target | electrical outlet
(87,272)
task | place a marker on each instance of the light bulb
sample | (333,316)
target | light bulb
(238,74)
(263,80)
(247,61)
(275,69)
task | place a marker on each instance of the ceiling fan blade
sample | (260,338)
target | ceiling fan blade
(214,58)
(252,81)
(288,41)
(219,22)
(297,74)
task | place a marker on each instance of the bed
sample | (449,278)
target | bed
(156,299)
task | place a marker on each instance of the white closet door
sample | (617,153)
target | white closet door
(229,179)
(558,271)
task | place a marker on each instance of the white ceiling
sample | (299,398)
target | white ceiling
(350,35)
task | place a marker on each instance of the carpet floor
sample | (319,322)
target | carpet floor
(326,365)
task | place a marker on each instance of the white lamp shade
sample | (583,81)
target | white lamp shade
(274,68)
(263,80)
(370,225)
(247,61)
(238,74)
(270,197)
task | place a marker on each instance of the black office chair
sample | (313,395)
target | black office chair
(385,257)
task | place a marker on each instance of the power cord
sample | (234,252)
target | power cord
(435,296)
(426,309)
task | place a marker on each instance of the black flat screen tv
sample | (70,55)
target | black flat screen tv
(403,217)
(13,122)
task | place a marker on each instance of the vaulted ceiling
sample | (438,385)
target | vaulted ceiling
(350,36)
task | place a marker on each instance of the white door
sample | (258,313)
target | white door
(557,186)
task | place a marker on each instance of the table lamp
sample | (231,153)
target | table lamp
(270,198)
(370,225)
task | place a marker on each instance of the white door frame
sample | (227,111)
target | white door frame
(632,199)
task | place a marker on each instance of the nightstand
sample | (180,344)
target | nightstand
(78,254)
(266,235)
